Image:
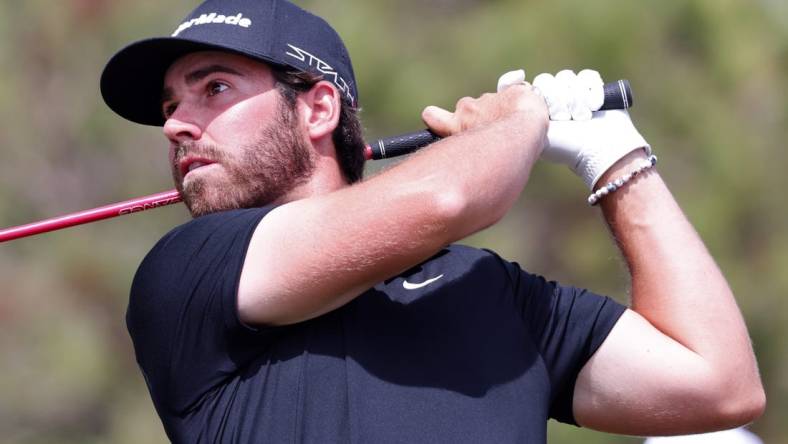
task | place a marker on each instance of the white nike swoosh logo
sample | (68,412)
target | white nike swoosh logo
(409,286)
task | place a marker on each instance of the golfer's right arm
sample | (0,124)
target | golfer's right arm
(313,255)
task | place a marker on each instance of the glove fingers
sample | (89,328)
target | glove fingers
(590,82)
(511,78)
(571,96)
(578,94)
(556,96)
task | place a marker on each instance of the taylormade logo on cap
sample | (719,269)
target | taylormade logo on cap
(214,17)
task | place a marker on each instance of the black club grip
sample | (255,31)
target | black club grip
(401,145)
(618,95)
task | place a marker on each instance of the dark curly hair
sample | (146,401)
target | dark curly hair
(348,138)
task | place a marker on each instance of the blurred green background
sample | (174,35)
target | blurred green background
(711,90)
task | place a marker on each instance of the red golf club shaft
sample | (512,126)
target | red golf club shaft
(106,212)
(83,217)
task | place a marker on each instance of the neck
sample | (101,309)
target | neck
(326,178)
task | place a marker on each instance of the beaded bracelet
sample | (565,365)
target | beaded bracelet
(596,196)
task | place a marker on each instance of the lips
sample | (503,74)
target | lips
(195,165)
(190,164)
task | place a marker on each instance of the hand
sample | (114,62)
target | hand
(571,96)
(586,140)
(591,147)
(595,140)
(517,103)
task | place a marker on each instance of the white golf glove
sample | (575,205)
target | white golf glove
(588,141)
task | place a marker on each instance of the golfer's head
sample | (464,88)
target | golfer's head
(247,91)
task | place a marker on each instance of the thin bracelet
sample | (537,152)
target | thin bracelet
(596,196)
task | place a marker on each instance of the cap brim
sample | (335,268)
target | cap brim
(133,79)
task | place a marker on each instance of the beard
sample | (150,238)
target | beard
(261,173)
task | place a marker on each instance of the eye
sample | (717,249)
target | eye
(216,88)
(168,109)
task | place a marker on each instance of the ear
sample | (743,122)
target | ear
(321,107)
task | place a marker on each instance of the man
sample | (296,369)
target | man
(299,307)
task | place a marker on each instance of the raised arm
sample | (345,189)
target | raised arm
(313,255)
(680,361)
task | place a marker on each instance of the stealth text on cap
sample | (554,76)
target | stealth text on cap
(214,17)
(324,68)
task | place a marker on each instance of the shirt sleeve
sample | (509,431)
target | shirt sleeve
(182,314)
(568,325)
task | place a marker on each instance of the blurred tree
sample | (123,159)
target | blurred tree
(711,96)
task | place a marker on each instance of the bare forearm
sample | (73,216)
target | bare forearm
(676,285)
(485,168)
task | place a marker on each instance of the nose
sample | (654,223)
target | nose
(181,127)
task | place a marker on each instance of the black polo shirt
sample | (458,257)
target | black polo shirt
(465,347)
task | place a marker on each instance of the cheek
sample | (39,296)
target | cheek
(241,123)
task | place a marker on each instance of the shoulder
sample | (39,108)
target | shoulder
(200,234)
(202,246)
(195,264)
(222,224)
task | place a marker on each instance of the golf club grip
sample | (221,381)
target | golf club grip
(618,95)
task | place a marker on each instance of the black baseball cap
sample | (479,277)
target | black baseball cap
(273,31)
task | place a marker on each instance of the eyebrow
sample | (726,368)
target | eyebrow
(197,75)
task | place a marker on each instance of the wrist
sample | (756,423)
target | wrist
(590,148)
(529,127)
(629,169)
(622,167)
